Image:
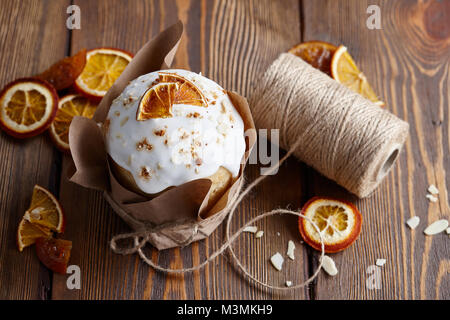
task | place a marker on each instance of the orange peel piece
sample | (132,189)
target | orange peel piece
(54,253)
(317,53)
(63,73)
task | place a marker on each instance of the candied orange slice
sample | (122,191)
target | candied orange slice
(339,223)
(157,101)
(64,72)
(103,67)
(27,233)
(68,107)
(316,53)
(187,92)
(45,211)
(345,71)
(54,253)
(27,107)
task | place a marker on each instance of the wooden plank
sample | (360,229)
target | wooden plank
(407,61)
(30,42)
(231,42)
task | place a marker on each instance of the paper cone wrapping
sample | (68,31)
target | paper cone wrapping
(176,217)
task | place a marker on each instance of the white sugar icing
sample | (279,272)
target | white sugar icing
(192,144)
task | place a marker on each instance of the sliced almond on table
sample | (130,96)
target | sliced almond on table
(290,250)
(432,189)
(277,261)
(381,262)
(259,234)
(431,198)
(413,222)
(329,266)
(436,227)
(288,283)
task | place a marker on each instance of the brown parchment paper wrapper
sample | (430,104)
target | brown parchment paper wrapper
(174,218)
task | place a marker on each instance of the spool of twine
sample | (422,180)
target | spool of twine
(344,136)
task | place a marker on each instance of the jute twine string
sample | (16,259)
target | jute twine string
(345,137)
(235,201)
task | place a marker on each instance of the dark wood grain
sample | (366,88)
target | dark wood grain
(407,61)
(30,42)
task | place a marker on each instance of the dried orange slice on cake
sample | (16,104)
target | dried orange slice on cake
(68,107)
(103,67)
(157,101)
(187,92)
(27,107)
(339,223)
(345,71)
(44,215)
(316,53)
(170,89)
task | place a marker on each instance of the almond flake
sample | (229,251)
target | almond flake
(251,229)
(436,227)
(447,230)
(431,198)
(432,189)
(277,261)
(290,250)
(413,222)
(288,283)
(329,266)
(381,262)
(259,234)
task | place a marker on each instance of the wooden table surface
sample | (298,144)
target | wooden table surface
(233,42)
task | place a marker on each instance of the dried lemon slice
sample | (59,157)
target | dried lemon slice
(345,71)
(339,223)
